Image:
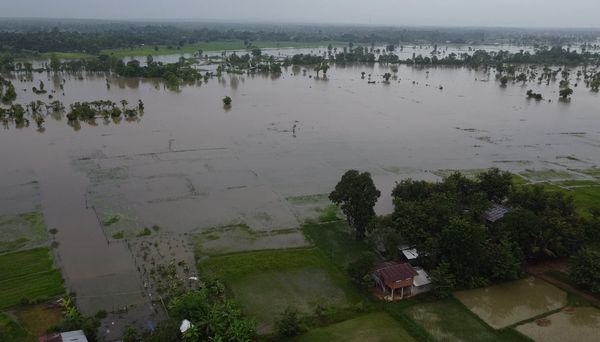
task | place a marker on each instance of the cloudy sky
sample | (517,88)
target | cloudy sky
(515,13)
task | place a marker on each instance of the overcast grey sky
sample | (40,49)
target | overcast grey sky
(515,13)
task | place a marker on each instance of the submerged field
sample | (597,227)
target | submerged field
(448,320)
(267,282)
(508,303)
(571,324)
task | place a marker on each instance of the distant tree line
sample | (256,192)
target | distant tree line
(92,38)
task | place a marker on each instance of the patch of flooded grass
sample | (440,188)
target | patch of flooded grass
(239,238)
(513,162)
(28,275)
(594,172)
(111,220)
(22,231)
(547,175)
(508,303)
(144,232)
(469,173)
(267,282)
(308,199)
(118,235)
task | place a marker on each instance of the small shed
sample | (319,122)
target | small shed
(392,276)
(408,253)
(69,336)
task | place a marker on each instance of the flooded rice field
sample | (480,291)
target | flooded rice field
(246,177)
(508,303)
(570,324)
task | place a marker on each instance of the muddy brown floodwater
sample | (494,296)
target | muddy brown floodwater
(189,165)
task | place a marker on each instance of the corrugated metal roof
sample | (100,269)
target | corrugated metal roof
(410,253)
(495,213)
(421,279)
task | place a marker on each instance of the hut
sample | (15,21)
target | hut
(393,277)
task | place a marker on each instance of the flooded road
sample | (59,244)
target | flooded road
(189,165)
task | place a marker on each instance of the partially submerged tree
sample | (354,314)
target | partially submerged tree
(356,194)
(565,93)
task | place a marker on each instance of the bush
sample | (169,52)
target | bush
(289,325)
(131,334)
(361,267)
(585,269)
(101,314)
(442,281)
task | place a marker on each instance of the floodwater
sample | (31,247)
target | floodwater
(571,324)
(512,302)
(188,164)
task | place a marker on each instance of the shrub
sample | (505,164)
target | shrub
(289,325)
(585,269)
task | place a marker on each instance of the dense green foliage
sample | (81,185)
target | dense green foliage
(444,222)
(213,317)
(74,320)
(585,269)
(356,195)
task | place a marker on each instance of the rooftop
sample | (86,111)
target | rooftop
(392,272)
(495,213)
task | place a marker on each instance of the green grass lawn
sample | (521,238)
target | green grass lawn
(449,320)
(28,275)
(267,282)
(373,327)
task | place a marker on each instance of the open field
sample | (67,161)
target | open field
(28,275)
(449,320)
(508,303)
(572,324)
(374,327)
(267,282)
(161,50)
(22,231)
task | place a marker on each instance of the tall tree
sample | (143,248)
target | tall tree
(356,194)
